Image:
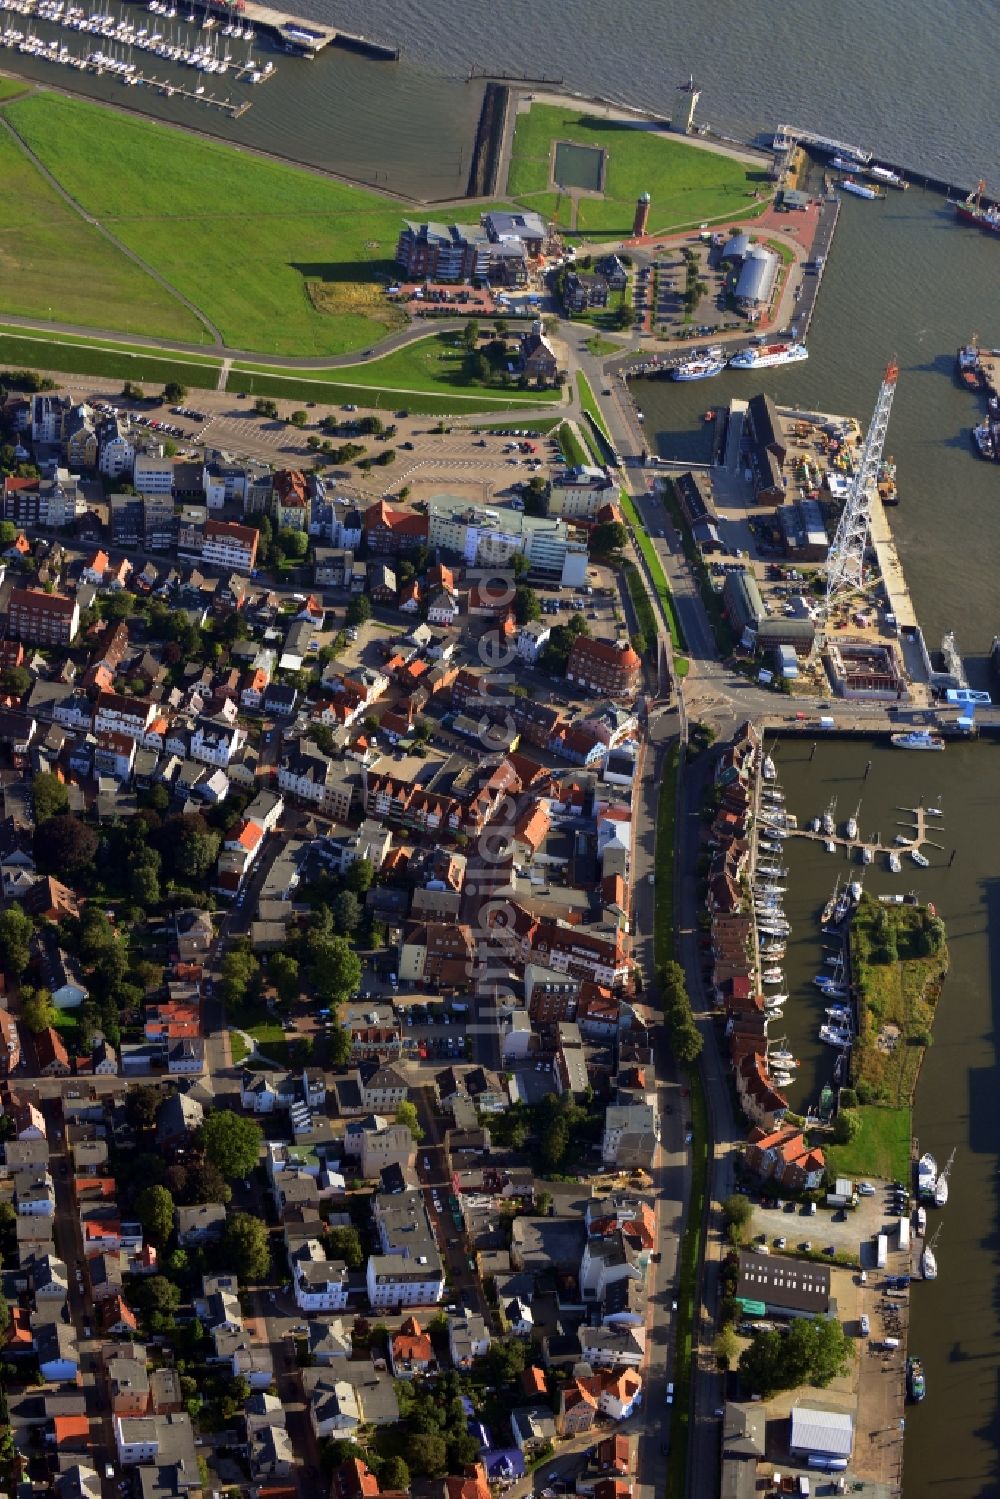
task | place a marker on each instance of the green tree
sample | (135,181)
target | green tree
(239,970)
(246,1247)
(394,1475)
(64,845)
(157,1299)
(610,536)
(232,1142)
(283,971)
(8,531)
(141,1103)
(299,418)
(16,932)
(810,1352)
(37,1010)
(16,680)
(427,1454)
(338,1047)
(406,1113)
(359,610)
(345,909)
(293,544)
(144,886)
(554,1145)
(205,1183)
(359,876)
(526,604)
(470,334)
(336,969)
(846,1126)
(343,1242)
(738,1209)
(726,1346)
(154,1208)
(174,394)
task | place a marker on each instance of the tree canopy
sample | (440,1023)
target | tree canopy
(232,1142)
(810,1352)
(64,845)
(154,1208)
(246,1246)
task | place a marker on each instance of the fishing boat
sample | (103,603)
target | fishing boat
(919,858)
(916,1385)
(921,1220)
(917,739)
(698,369)
(895,862)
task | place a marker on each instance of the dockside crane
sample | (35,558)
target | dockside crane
(846,557)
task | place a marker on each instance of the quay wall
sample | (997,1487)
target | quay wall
(488,147)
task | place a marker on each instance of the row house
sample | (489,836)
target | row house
(115,713)
(438,954)
(783,1156)
(759,1099)
(309,776)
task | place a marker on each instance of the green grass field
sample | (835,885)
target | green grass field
(67,356)
(55,266)
(655,567)
(254,243)
(687,184)
(880,1148)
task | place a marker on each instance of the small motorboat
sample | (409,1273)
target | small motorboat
(919,858)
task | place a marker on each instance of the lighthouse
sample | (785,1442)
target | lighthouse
(641,220)
(686,106)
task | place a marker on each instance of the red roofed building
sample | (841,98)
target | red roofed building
(533,1382)
(613,1455)
(389,531)
(601,666)
(782,1155)
(759,1099)
(71,1433)
(353,1480)
(577,1406)
(290,490)
(18,1336)
(473,1484)
(53,1058)
(225,544)
(410,1350)
(42,618)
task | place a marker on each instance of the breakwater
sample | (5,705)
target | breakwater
(488,147)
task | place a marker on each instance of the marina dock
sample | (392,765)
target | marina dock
(919,822)
(301,35)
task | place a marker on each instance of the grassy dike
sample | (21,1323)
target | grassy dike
(655,568)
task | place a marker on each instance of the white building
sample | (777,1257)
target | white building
(152,474)
(531,638)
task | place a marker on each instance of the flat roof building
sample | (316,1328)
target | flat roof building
(787,1288)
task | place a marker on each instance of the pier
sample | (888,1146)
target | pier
(919,823)
(301,34)
(787,137)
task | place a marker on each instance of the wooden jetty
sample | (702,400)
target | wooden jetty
(921,828)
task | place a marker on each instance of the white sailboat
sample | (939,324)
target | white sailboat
(829,825)
(851,825)
(928,1259)
(941,1185)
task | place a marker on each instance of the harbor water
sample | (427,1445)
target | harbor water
(905,79)
(953,1323)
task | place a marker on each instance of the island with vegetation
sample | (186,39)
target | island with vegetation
(899,960)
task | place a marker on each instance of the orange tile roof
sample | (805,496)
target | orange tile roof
(68,1428)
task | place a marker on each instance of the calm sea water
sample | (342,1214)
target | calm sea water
(909,80)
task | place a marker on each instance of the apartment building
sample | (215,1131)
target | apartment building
(41,618)
(225,544)
(603,666)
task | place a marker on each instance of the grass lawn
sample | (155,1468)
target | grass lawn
(11,86)
(281,259)
(23,350)
(53,265)
(687,184)
(574,452)
(238,1048)
(880,1148)
(599,345)
(429,367)
(67,1023)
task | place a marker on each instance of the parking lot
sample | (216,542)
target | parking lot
(842,1229)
